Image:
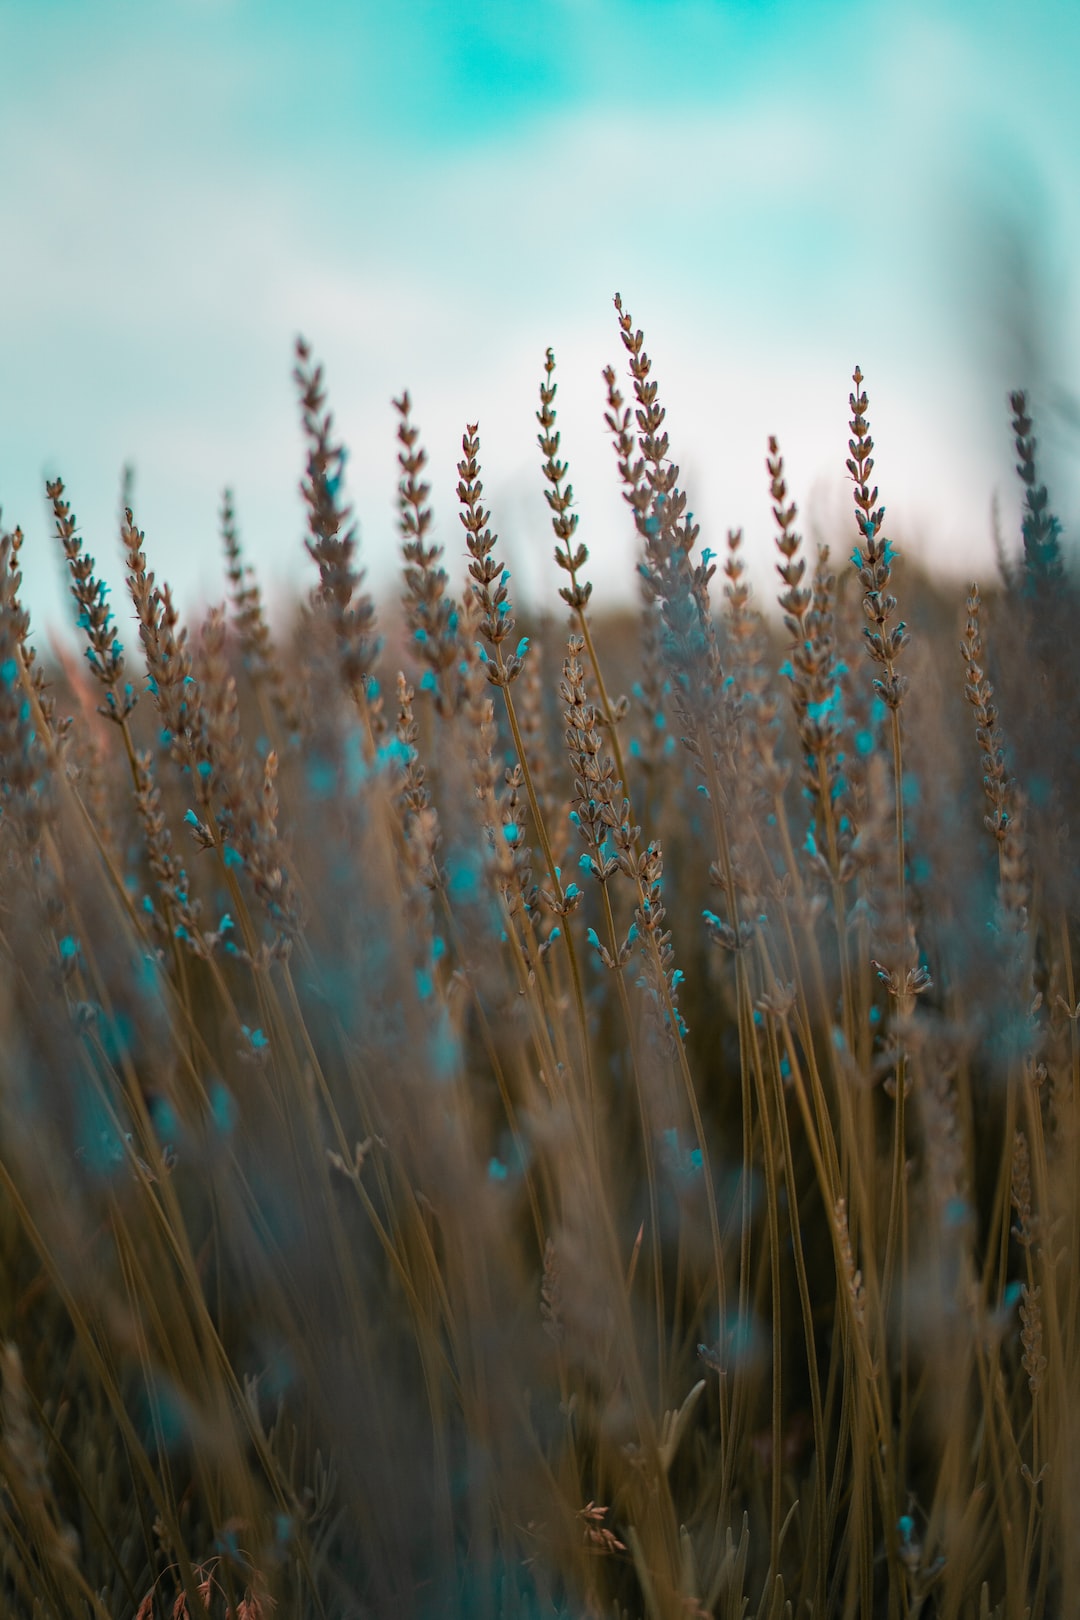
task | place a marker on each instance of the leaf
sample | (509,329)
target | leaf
(671,1429)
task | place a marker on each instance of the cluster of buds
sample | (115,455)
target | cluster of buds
(332,539)
(564,522)
(873,559)
(490,579)
(430,612)
(104,652)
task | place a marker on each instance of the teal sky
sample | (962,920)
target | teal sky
(433,193)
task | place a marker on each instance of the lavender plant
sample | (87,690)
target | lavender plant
(474,1144)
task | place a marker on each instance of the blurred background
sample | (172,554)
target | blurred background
(433,192)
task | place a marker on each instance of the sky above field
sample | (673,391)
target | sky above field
(433,193)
